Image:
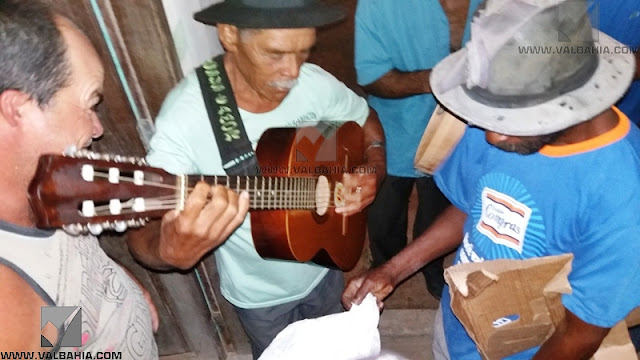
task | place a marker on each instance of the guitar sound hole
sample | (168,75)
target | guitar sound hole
(323,195)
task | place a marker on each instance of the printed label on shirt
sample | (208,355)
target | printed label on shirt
(467,253)
(504,220)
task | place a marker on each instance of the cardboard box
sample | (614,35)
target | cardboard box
(508,306)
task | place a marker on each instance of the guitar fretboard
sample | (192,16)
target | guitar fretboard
(267,192)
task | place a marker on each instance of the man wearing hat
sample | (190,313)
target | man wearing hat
(547,166)
(267,43)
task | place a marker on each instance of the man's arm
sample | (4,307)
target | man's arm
(637,65)
(574,339)
(20,315)
(398,84)
(364,184)
(210,215)
(443,236)
(375,152)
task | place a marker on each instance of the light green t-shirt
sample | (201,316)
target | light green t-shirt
(184,144)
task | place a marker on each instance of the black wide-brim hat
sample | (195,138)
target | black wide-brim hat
(270,14)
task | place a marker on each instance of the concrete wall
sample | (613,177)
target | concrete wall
(195,42)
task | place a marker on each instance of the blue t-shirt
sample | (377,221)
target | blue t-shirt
(407,35)
(620,19)
(582,199)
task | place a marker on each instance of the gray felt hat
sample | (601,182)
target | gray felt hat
(533,67)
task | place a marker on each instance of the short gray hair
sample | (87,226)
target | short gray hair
(246,33)
(33,56)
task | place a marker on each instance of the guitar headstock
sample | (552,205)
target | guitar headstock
(84,191)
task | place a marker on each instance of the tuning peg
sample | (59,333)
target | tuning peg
(134,223)
(74,229)
(119,226)
(95,229)
(73,151)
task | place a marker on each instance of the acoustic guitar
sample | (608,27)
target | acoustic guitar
(292,202)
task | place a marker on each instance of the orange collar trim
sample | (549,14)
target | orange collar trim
(618,132)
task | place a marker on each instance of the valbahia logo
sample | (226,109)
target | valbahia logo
(69,336)
(315,141)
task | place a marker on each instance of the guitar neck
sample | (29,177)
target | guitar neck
(265,192)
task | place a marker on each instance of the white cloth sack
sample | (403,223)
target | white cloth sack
(349,335)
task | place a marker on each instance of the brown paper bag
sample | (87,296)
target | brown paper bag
(441,136)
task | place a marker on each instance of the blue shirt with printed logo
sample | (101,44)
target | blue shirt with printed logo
(581,199)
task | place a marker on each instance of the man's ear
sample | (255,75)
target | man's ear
(229,36)
(13,106)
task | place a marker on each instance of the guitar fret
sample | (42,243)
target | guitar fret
(286,198)
(300,194)
(247,186)
(281,193)
(297,192)
(255,193)
(311,206)
(275,187)
(310,194)
(270,194)
(294,195)
(307,192)
(262,195)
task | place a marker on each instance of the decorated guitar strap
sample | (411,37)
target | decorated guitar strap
(238,157)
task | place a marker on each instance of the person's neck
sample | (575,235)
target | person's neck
(15,204)
(246,97)
(589,129)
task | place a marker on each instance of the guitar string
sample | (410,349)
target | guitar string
(170,201)
(250,190)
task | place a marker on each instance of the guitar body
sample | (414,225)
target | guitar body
(292,203)
(303,235)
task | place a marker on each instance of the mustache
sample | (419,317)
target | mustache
(283,84)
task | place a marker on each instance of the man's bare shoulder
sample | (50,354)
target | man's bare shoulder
(20,314)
